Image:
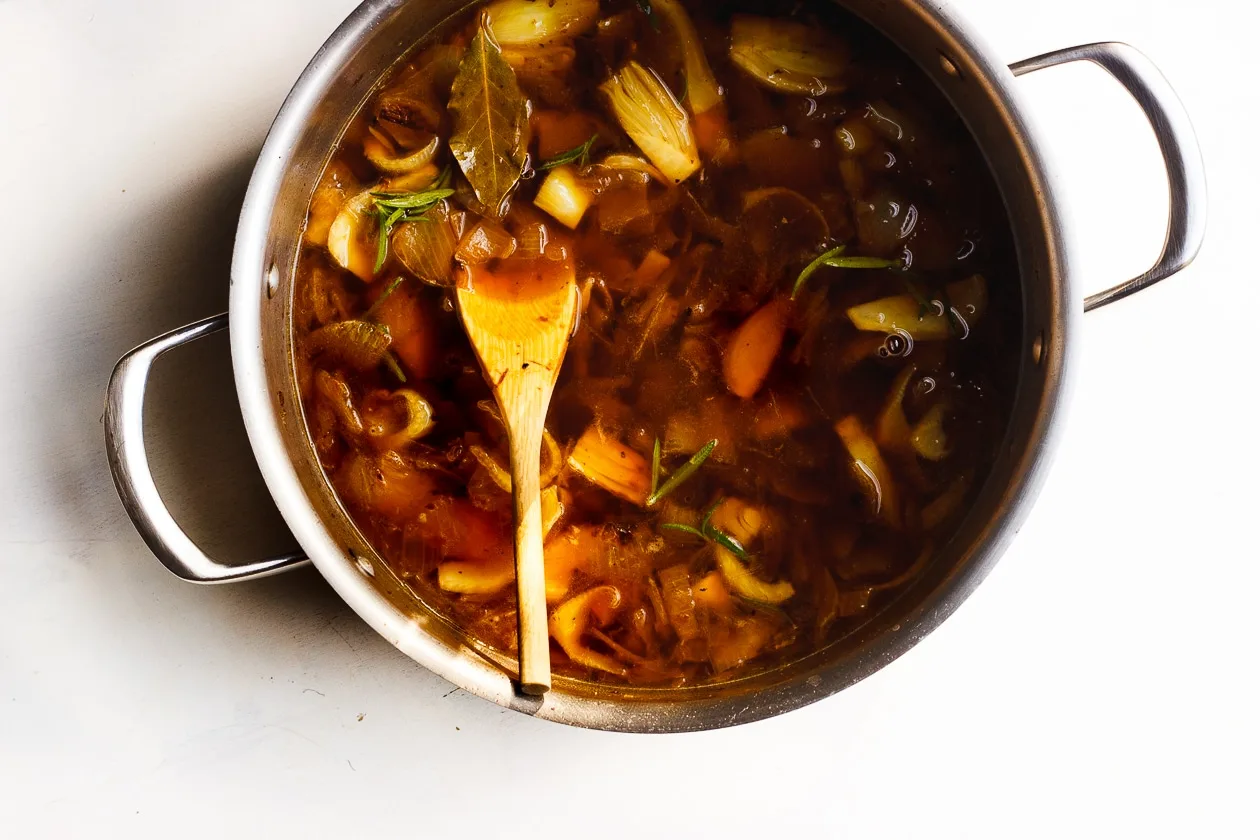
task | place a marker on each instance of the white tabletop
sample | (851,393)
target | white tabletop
(1102,682)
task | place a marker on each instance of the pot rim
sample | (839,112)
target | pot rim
(252,264)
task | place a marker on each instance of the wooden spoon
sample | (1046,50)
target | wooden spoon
(520,319)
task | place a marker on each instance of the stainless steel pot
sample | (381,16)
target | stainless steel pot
(341,77)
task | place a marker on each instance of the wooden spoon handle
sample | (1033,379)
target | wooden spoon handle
(531,581)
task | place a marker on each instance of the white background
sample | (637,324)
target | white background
(1101,683)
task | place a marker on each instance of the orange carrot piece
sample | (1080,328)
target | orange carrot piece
(413,327)
(753,348)
(711,592)
(565,555)
(713,136)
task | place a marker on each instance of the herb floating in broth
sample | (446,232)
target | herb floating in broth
(394,208)
(708,531)
(835,258)
(684,472)
(491,119)
(385,295)
(798,344)
(581,155)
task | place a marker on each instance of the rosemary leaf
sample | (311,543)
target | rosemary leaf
(728,542)
(387,222)
(656,467)
(389,290)
(835,258)
(417,202)
(708,533)
(708,514)
(814,266)
(579,154)
(863,262)
(395,207)
(686,529)
(395,368)
(684,472)
(444,179)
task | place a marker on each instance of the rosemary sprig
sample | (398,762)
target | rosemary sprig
(835,258)
(683,473)
(709,533)
(417,203)
(393,208)
(376,306)
(390,362)
(686,529)
(579,154)
(385,226)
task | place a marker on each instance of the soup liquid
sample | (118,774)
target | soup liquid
(847,446)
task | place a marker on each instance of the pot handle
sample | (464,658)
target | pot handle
(129,463)
(1187,183)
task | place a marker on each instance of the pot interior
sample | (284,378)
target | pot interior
(338,82)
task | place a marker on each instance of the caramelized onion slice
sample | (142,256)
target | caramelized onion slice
(382,153)
(633,163)
(928,437)
(359,345)
(426,247)
(487,240)
(536,22)
(871,470)
(788,57)
(571,620)
(418,422)
(679,602)
(892,430)
(747,585)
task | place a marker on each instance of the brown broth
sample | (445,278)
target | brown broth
(686,291)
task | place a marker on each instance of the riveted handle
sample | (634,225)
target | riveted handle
(1187,182)
(129,463)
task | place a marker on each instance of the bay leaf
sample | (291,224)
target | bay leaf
(491,123)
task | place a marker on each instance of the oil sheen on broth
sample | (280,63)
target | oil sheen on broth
(796,354)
